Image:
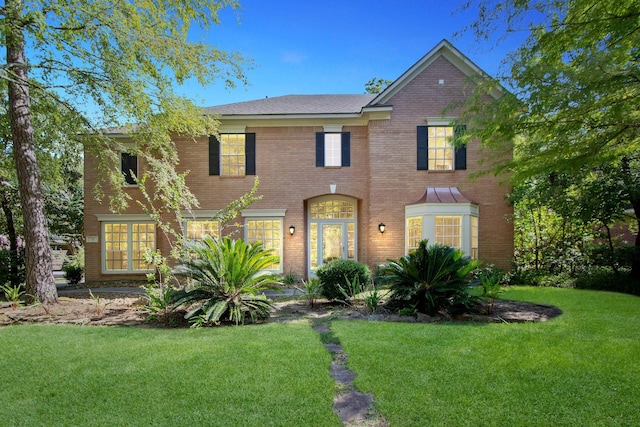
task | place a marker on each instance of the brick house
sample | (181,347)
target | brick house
(333,169)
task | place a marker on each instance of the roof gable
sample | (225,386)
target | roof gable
(443,49)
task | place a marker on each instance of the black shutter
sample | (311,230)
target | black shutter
(345,143)
(214,155)
(250,153)
(319,149)
(128,164)
(423,148)
(461,149)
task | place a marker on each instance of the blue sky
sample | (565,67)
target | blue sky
(335,46)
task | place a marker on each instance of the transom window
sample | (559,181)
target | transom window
(125,244)
(232,154)
(333,149)
(440,147)
(332,209)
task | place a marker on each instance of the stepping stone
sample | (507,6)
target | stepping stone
(352,406)
(341,374)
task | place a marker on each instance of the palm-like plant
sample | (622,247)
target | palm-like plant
(228,276)
(430,280)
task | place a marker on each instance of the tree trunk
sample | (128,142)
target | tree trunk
(40,282)
(14,280)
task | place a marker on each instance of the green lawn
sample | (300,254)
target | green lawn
(274,374)
(580,369)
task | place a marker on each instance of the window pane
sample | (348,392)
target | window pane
(269,233)
(333,209)
(198,229)
(115,238)
(474,237)
(440,147)
(125,245)
(414,232)
(332,149)
(313,245)
(449,230)
(232,154)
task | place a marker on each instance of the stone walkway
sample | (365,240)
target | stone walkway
(353,407)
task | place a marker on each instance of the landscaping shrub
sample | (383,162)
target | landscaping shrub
(606,279)
(337,275)
(5,262)
(431,279)
(228,276)
(73,267)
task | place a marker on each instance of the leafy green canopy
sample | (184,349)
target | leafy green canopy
(117,63)
(574,85)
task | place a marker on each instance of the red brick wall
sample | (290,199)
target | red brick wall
(382,178)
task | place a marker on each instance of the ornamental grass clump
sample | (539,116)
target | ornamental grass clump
(431,280)
(227,277)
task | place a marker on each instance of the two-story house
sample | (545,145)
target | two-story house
(362,177)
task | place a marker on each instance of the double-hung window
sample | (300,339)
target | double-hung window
(437,150)
(333,149)
(232,154)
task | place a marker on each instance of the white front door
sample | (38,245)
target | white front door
(332,230)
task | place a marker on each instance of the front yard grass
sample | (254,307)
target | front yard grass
(268,375)
(578,369)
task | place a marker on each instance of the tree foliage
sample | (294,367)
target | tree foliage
(376,85)
(108,64)
(574,87)
(573,99)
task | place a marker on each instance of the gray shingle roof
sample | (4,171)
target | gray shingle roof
(295,104)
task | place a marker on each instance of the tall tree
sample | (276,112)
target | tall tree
(123,59)
(574,87)
(376,85)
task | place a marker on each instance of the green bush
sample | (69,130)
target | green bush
(228,276)
(73,267)
(337,274)
(5,266)
(606,279)
(431,279)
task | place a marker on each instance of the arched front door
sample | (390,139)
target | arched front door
(332,230)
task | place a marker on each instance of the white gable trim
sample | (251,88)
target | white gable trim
(445,49)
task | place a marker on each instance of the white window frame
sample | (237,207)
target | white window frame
(129,220)
(429,212)
(267,215)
